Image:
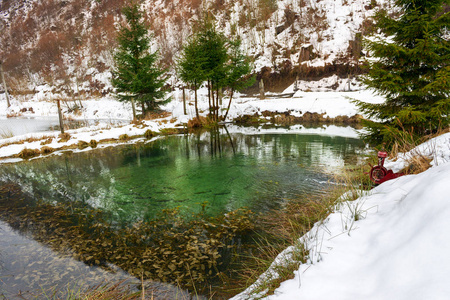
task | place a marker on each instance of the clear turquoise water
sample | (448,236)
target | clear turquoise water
(225,172)
(134,182)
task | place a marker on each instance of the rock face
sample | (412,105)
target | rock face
(68,44)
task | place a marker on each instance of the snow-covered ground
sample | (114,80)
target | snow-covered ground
(396,249)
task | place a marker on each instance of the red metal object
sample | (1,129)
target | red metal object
(378,173)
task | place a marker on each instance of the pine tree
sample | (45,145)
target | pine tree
(209,57)
(136,76)
(212,46)
(190,67)
(411,69)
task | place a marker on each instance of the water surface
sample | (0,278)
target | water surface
(134,182)
(214,172)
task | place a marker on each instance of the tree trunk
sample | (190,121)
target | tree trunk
(196,106)
(133,106)
(4,85)
(213,109)
(220,95)
(184,102)
(217,104)
(229,105)
(209,97)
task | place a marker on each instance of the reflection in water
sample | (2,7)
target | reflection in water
(135,182)
(214,170)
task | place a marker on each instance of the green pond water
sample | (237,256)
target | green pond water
(214,172)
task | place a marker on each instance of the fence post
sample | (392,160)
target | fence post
(4,84)
(60,116)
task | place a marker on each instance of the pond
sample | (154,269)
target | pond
(22,125)
(19,126)
(205,175)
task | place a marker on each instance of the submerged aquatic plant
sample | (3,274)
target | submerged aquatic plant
(185,251)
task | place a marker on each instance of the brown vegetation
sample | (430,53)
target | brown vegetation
(28,153)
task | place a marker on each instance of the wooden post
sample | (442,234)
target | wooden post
(261,89)
(184,102)
(4,84)
(60,116)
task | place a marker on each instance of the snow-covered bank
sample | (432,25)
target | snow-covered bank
(106,110)
(395,249)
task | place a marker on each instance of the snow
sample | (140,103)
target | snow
(396,250)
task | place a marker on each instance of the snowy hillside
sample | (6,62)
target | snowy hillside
(67,44)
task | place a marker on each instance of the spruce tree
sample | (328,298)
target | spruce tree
(213,48)
(137,77)
(191,66)
(410,67)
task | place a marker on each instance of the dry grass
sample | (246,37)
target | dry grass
(110,292)
(6,133)
(288,225)
(82,145)
(14,114)
(124,137)
(46,141)
(169,131)
(197,122)
(417,161)
(29,153)
(47,150)
(63,137)
(157,115)
(93,144)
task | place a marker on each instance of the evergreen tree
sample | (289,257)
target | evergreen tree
(191,66)
(213,47)
(209,57)
(136,76)
(411,69)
